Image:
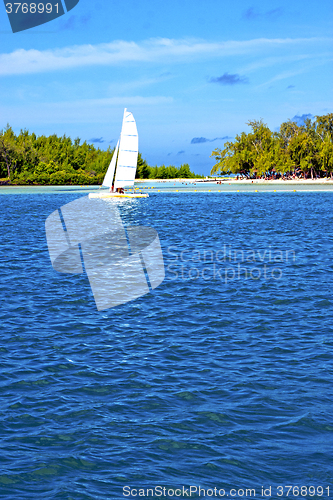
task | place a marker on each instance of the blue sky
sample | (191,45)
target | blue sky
(193,73)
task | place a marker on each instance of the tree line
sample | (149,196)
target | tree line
(296,150)
(26,159)
(144,171)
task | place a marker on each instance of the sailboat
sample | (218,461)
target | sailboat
(122,169)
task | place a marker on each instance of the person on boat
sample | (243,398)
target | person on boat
(112,189)
(120,190)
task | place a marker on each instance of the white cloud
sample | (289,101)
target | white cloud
(133,85)
(115,101)
(23,61)
(274,61)
(80,111)
(294,72)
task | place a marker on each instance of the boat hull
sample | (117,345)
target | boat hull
(118,195)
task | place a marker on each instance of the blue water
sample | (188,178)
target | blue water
(218,378)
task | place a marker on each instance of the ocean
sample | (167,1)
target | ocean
(217,383)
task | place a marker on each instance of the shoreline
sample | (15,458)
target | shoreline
(201,182)
(237,182)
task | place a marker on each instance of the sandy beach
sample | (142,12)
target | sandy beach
(241,181)
(192,185)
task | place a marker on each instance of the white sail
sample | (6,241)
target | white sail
(110,171)
(128,152)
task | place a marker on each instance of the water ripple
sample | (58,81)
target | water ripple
(203,381)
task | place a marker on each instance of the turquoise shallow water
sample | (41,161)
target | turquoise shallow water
(221,377)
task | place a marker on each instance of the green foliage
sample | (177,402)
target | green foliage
(28,159)
(171,172)
(143,169)
(306,149)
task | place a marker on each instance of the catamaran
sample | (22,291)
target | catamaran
(122,169)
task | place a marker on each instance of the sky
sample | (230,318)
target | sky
(192,73)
